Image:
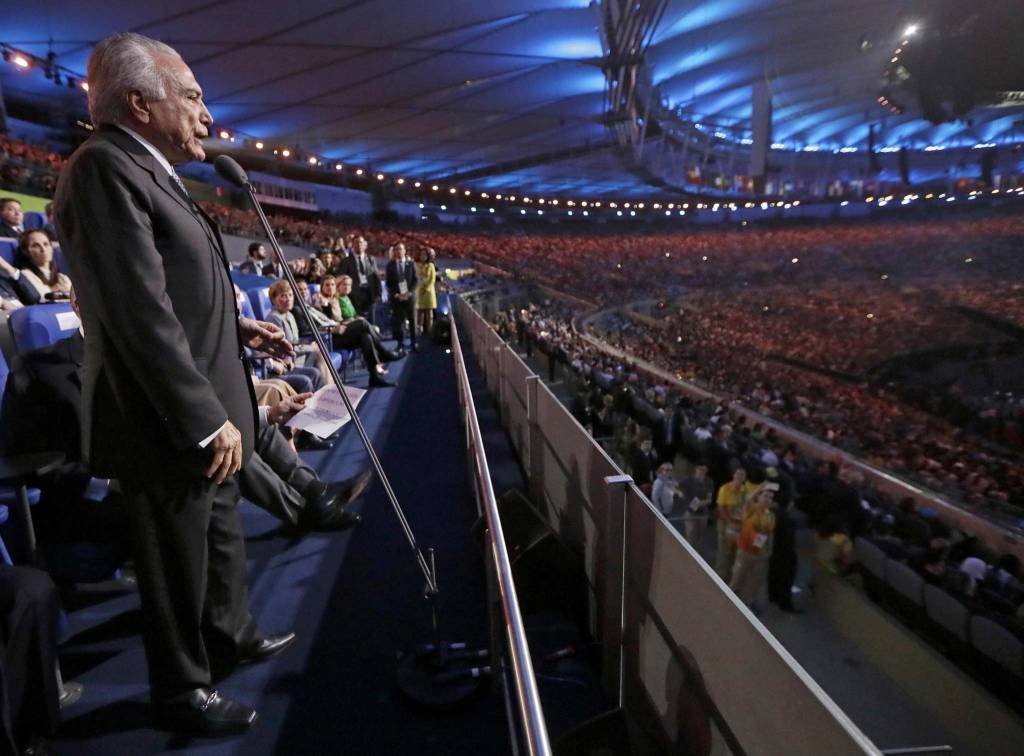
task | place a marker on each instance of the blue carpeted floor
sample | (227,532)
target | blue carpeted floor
(355,599)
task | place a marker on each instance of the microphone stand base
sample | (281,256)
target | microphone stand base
(443,677)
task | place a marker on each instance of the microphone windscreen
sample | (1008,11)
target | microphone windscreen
(230,170)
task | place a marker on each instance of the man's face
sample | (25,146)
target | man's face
(178,123)
(303,288)
(260,253)
(645,446)
(699,472)
(12,214)
(361,245)
(400,252)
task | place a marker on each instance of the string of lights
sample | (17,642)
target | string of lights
(58,74)
(570,207)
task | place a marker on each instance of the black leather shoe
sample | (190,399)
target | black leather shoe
(265,647)
(389,356)
(205,712)
(377,382)
(310,442)
(332,518)
(344,491)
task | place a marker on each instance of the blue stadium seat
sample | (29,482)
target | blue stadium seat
(34,220)
(5,371)
(245,281)
(5,514)
(999,645)
(246,308)
(313,289)
(41,325)
(7,248)
(260,301)
(58,256)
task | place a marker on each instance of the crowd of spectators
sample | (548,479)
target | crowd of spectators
(651,429)
(27,167)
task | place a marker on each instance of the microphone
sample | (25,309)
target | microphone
(230,170)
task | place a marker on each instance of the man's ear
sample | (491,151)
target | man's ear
(138,106)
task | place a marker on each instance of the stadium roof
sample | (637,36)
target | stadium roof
(505,93)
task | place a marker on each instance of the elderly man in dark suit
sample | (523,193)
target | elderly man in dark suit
(167,405)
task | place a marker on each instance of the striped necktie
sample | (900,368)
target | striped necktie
(181,184)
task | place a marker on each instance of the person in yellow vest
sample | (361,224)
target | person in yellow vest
(754,545)
(731,501)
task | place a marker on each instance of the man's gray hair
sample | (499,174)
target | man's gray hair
(120,64)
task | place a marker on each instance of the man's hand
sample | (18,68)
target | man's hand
(286,409)
(265,337)
(227,453)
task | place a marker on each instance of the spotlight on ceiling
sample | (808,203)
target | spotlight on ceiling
(911,30)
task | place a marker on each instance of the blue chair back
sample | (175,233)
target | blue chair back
(5,371)
(34,220)
(41,325)
(7,249)
(247,281)
(313,290)
(62,262)
(260,301)
(247,309)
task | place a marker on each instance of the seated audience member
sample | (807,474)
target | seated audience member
(976,571)
(352,332)
(695,492)
(15,289)
(35,260)
(260,262)
(41,412)
(29,691)
(754,546)
(276,479)
(51,223)
(12,218)
(282,299)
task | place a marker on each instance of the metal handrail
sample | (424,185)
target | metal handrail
(527,696)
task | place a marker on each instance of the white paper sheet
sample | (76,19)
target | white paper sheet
(325,411)
(67,321)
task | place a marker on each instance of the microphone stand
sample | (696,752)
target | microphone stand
(421,675)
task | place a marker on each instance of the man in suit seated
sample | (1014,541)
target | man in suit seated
(41,411)
(12,218)
(259,262)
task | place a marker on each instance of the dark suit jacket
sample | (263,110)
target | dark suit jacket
(393,276)
(19,289)
(350,267)
(163,358)
(252,268)
(8,231)
(42,404)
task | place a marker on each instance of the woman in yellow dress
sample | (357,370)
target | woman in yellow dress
(426,296)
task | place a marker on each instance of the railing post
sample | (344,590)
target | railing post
(533,462)
(613,623)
